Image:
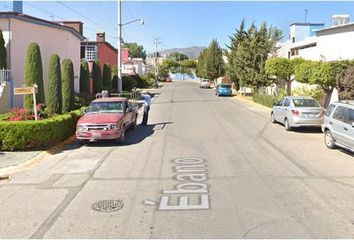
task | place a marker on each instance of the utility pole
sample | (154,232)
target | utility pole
(156,43)
(306,10)
(119,67)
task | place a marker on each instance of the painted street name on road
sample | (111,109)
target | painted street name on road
(192,172)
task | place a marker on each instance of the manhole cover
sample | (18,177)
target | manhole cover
(107,205)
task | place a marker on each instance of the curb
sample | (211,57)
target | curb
(43,155)
(240,98)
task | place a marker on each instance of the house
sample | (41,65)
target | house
(19,30)
(315,42)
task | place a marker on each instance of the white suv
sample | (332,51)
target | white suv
(338,125)
(204,83)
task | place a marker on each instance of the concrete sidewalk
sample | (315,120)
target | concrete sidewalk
(11,162)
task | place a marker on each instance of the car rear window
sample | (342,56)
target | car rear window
(225,86)
(304,102)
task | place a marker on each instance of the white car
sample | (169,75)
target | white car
(297,112)
(204,83)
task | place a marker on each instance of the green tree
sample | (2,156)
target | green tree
(107,78)
(114,81)
(68,92)
(84,78)
(345,84)
(236,40)
(248,51)
(321,73)
(177,56)
(3,64)
(215,66)
(34,74)
(201,64)
(282,69)
(97,77)
(54,103)
(135,50)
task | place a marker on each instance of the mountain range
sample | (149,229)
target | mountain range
(192,52)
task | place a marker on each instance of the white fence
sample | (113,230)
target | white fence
(5,75)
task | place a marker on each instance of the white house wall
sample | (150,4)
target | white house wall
(50,40)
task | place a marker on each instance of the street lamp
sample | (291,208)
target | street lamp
(120,25)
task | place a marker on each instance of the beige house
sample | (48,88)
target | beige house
(19,30)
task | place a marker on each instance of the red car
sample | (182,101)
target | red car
(107,118)
(168,80)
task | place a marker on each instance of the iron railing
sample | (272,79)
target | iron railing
(5,75)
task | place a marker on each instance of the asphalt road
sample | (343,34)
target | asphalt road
(204,167)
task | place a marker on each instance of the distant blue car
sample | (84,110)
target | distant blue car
(223,90)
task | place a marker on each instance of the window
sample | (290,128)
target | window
(287,102)
(329,110)
(280,103)
(302,102)
(91,53)
(350,117)
(339,114)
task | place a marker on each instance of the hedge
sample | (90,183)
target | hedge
(266,100)
(21,135)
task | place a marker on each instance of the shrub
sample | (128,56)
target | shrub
(29,134)
(316,93)
(54,103)
(2,52)
(97,77)
(84,78)
(34,74)
(68,92)
(4,117)
(83,99)
(266,100)
(345,84)
(128,83)
(107,83)
(20,114)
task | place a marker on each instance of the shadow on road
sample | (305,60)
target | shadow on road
(131,137)
(307,130)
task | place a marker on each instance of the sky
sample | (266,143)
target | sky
(183,24)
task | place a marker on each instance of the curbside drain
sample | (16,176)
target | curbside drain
(108,205)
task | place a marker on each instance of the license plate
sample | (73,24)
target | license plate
(96,134)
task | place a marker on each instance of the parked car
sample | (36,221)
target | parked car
(338,125)
(204,83)
(168,79)
(223,90)
(107,118)
(297,112)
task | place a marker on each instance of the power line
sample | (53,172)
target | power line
(78,13)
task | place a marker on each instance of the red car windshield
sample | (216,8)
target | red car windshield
(105,107)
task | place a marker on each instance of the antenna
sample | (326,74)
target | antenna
(306,11)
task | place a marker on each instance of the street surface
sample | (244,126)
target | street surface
(204,167)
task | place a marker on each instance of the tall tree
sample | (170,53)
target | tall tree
(68,92)
(114,81)
(54,103)
(3,64)
(107,78)
(177,56)
(97,77)
(248,52)
(135,50)
(201,64)
(84,78)
(215,66)
(34,74)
